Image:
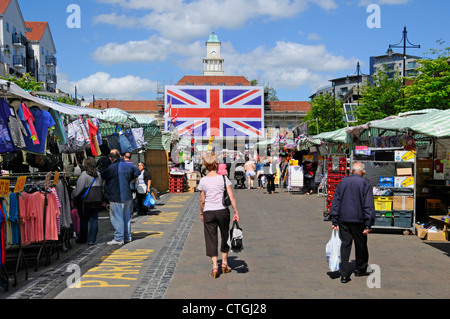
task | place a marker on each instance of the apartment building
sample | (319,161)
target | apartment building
(393,62)
(26,47)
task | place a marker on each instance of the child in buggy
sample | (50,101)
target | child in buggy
(239,175)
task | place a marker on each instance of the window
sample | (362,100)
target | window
(350,112)
(412,65)
(7,26)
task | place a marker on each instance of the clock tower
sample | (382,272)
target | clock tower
(213,63)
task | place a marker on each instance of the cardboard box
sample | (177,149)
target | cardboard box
(437,236)
(191,186)
(403,203)
(191,176)
(406,171)
(421,232)
(405,156)
(404,181)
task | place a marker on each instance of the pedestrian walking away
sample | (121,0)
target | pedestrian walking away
(250,172)
(353,214)
(88,197)
(270,170)
(118,177)
(214,214)
(259,172)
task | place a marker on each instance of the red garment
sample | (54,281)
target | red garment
(30,120)
(93,138)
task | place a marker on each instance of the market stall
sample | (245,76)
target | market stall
(41,145)
(408,166)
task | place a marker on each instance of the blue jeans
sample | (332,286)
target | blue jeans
(88,226)
(120,219)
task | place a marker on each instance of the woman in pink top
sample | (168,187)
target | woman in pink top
(214,214)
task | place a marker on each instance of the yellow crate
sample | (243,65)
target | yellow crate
(383,203)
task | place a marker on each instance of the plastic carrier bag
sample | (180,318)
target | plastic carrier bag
(333,251)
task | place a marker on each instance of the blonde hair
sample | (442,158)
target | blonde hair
(210,161)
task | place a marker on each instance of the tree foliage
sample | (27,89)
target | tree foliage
(380,98)
(26,82)
(431,87)
(324,113)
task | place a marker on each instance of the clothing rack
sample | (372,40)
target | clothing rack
(20,258)
(46,247)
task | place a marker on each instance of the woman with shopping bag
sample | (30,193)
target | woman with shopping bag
(88,199)
(215,213)
(143,187)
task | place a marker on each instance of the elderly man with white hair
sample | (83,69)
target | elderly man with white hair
(353,214)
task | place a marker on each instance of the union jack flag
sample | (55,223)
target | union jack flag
(216,111)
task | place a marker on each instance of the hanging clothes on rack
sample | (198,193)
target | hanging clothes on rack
(59,130)
(32,211)
(6,141)
(2,234)
(95,149)
(28,121)
(15,125)
(43,122)
(14,219)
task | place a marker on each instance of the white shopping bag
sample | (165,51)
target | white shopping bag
(333,251)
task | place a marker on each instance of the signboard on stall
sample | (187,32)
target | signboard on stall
(4,187)
(20,184)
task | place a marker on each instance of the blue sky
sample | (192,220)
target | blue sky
(123,48)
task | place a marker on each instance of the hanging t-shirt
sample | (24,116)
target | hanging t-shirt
(93,138)
(59,128)
(43,121)
(6,142)
(28,120)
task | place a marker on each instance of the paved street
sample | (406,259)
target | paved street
(283,258)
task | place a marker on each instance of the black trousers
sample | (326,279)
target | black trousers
(349,232)
(270,183)
(212,220)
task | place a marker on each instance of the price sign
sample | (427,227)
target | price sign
(4,187)
(56,179)
(20,184)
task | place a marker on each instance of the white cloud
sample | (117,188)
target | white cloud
(182,20)
(153,49)
(314,36)
(101,84)
(382,2)
(287,64)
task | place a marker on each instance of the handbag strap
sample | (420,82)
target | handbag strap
(87,191)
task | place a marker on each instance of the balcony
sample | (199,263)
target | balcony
(19,61)
(19,40)
(50,78)
(50,60)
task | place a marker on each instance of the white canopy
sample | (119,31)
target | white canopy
(10,88)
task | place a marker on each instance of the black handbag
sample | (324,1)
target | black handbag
(226,198)
(236,236)
(80,200)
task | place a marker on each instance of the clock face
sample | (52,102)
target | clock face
(213,52)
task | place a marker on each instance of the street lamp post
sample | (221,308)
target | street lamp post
(334,105)
(404,46)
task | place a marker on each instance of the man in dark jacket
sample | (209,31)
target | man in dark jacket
(117,179)
(353,214)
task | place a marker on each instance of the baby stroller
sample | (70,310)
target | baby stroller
(239,176)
